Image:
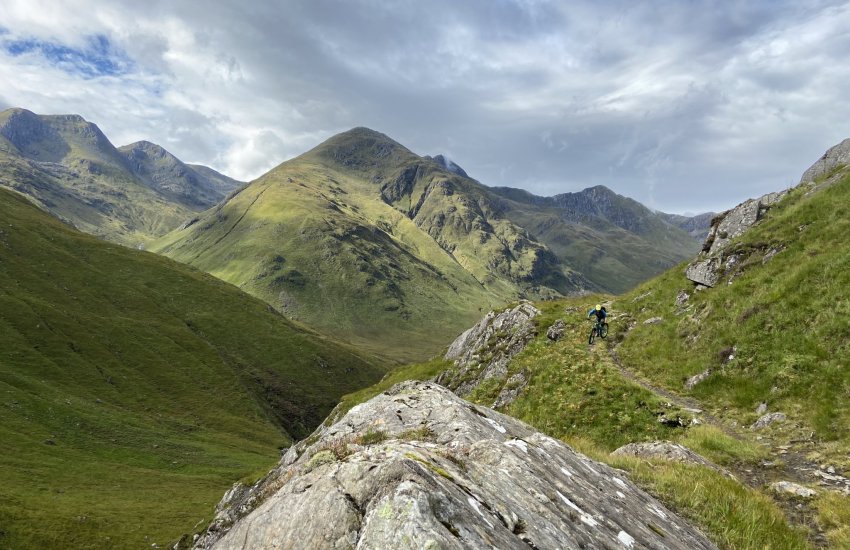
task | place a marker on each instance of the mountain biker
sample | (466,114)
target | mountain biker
(600,313)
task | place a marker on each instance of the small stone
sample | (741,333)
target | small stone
(653,321)
(696,379)
(49,442)
(830,470)
(682,298)
(789,488)
(556,331)
(768,419)
(761,409)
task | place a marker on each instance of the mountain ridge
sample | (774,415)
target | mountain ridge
(69,167)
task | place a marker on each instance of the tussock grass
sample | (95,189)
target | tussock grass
(734,516)
(834,517)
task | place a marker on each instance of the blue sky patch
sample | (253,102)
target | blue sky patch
(99,57)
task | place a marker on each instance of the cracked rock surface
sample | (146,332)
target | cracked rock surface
(419,467)
(484,351)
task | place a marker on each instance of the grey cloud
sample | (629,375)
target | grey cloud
(682,105)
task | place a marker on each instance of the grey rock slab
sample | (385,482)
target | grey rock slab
(691,382)
(479,479)
(834,157)
(556,331)
(653,321)
(704,272)
(737,221)
(498,337)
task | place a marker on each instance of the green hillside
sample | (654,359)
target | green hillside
(316,238)
(781,315)
(397,253)
(134,391)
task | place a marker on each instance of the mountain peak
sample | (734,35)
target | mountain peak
(449,165)
(361,149)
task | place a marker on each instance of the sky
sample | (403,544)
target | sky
(684,105)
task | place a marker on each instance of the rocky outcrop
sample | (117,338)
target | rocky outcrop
(484,351)
(418,467)
(715,261)
(834,157)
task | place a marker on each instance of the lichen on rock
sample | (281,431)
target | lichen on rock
(481,480)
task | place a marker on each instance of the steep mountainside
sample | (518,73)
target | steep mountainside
(612,240)
(364,239)
(69,168)
(134,390)
(729,392)
(196,187)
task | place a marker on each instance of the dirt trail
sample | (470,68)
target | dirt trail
(790,462)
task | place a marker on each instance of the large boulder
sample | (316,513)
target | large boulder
(418,467)
(834,157)
(484,351)
(715,260)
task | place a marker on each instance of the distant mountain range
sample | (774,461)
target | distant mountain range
(128,195)
(363,238)
(359,237)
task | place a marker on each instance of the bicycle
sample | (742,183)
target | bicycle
(599,329)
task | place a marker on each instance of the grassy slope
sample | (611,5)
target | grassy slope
(786,319)
(134,391)
(576,393)
(71,170)
(315,240)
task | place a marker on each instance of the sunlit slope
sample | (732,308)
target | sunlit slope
(774,329)
(345,239)
(134,390)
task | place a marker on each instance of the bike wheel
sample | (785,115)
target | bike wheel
(603,332)
(592,335)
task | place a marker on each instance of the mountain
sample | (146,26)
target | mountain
(696,226)
(134,390)
(363,239)
(70,168)
(725,396)
(196,187)
(614,241)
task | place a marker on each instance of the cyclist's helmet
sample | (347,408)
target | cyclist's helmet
(598,307)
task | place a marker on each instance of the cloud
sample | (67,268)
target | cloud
(683,106)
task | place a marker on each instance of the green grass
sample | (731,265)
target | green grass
(786,318)
(732,515)
(576,393)
(134,391)
(834,517)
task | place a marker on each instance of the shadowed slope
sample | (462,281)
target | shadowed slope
(135,390)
